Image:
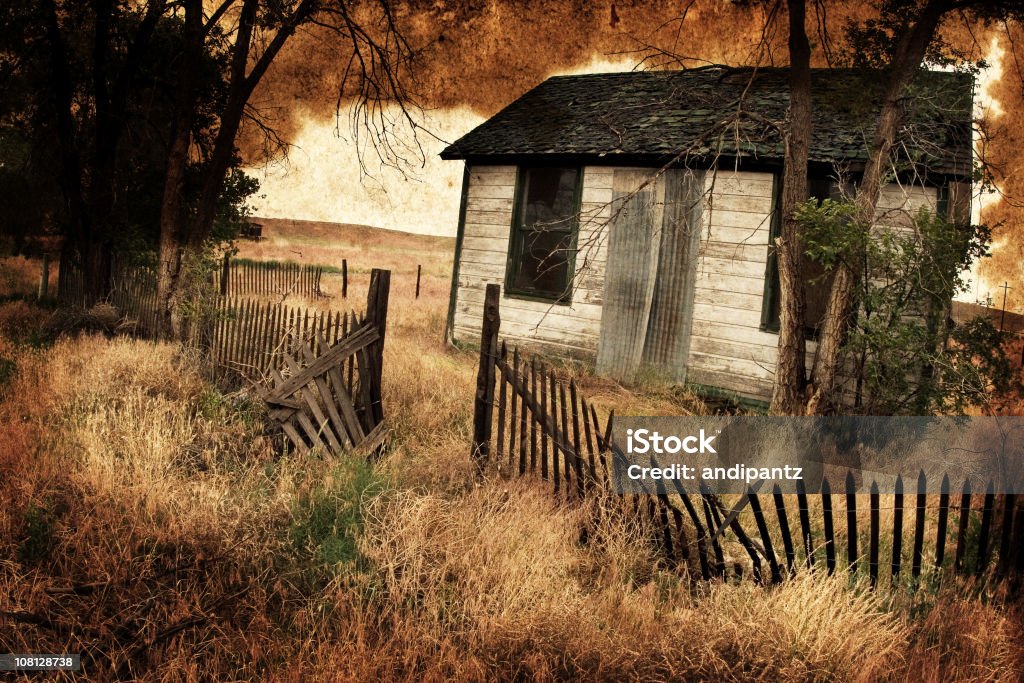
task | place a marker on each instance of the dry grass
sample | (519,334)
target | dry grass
(147,522)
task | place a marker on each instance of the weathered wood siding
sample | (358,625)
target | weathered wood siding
(727,348)
(568,328)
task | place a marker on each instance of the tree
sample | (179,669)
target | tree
(790,371)
(253,38)
(185,78)
(116,65)
(904,34)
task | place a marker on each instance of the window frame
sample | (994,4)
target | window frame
(515,241)
(770,305)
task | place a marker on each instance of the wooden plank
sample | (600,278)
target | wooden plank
(322,425)
(543,435)
(569,457)
(1009,502)
(365,389)
(344,403)
(497,205)
(787,539)
(961,536)
(922,501)
(851,523)
(329,401)
(805,523)
(715,218)
(828,528)
(732,316)
(300,418)
(373,441)
(534,418)
(983,533)
(502,404)
(716,546)
(897,529)
(874,533)
(589,441)
(510,377)
(359,340)
(576,445)
(766,540)
(758,203)
(940,537)
(512,422)
(483,407)
(702,534)
(738,300)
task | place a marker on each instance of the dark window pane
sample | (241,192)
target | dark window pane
(817,284)
(544,263)
(543,235)
(816,292)
(549,202)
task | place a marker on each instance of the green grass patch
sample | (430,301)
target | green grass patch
(329,519)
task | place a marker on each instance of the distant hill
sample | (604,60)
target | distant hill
(1012,322)
(322,233)
(363,247)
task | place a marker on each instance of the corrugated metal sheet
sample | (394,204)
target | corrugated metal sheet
(629,275)
(648,289)
(668,329)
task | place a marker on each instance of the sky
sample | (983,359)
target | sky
(473,58)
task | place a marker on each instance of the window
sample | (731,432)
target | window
(544,221)
(817,283)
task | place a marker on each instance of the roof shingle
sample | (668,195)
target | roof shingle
(658,115)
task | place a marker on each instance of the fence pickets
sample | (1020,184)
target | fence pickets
(318,371)
(246,278)
(545,428)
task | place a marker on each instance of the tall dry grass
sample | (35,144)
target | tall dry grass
(149,523)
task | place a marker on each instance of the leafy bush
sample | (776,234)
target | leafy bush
(902,354)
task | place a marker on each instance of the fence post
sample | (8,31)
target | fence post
(225,272)
(377,315)
(483,409)
(344,278)
(44,278)
(418,267)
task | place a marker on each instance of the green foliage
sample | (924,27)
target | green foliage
(39,527)
(328,520)
(30,147)
(901,350)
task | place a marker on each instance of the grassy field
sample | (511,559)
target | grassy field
(147,523)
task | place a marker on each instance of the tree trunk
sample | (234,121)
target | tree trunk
(181,234)
(790,370)
(906,62)
(172,208)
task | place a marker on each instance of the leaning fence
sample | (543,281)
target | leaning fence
(530,420)
(318,371)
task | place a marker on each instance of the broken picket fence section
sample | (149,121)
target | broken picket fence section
(531,421)
(328,395)
(318,371)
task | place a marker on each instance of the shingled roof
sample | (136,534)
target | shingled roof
(657,115)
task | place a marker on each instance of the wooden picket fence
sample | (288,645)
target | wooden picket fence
(251,339)
(271,278)
(530,421)
(132,292)
(328,395)
(318,371)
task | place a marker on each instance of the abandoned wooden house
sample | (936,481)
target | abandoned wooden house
(629,217)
